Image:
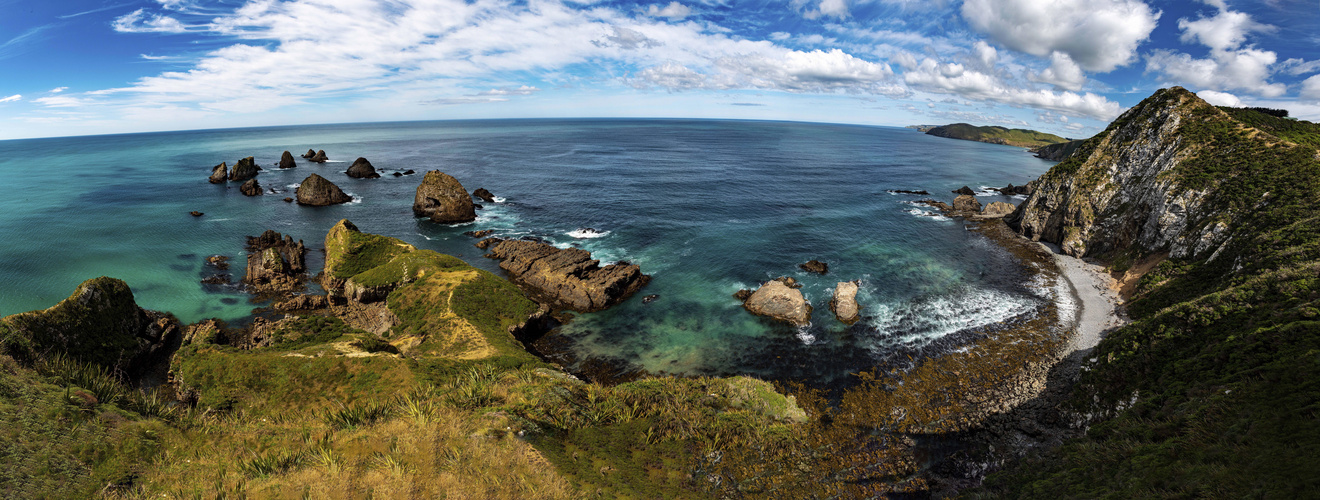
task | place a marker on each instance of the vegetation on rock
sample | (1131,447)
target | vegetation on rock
(996,135)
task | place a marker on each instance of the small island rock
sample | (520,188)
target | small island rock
(964,191)
(286,160)
(251,188)
(815,266)
(442,198)
(362,169)
(775,299)
(309,154)
(844,303)
(320,157)
(566,278)
(317,191)
(195,213)
(245,169)
(219,174)
(485,195)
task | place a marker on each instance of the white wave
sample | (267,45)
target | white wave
(292,186)
(804,335)
(987,191)
(356,199)
(217,220)
(499,199)
(920,322)
(587,233)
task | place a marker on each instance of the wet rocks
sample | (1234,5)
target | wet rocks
(317,191)
(245,169)
(844,303)
(443,199)
(479,234)
(966,203)
(964,191)
(485,195)
(288,200)
(815,266)
(922,192)
(275,263)
(650,298)
(1011,190)
(220,262)
(362,169)
(219,174)
(942,206)
(409,172)
(250,188)
(566,278)
(286,160)
(319,157)
(776,299)
(997,209)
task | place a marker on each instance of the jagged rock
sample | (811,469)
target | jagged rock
(250,188)
(217,279)
(442,198)
(485,195)
(486,243)
(397,174)
(566,278)
(815,266)
(789,281)
(195,213)
(220,262)
(204,332)
(997,209)
(245,169)
(317,191)
(964,191)
(362,169)
(942,206)
(966,203)
(480,234)
(219,174)
(775,299)
(303,303)
(742,295)
(320,157)
(286,160)
(274,264)
(309,154)
(844,303)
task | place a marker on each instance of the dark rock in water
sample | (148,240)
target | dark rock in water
(844,303)
(220,262)
(936,204)
(480,234)
(245,169)
(905,191)
(965,191)
(275,263)
(316,191)
(650,298)
(567,278)
(966,203)
(320,157)
(815,266)
(409,172)
(288,200)
(362,169)
(219,174)
(776,299)
(309,154)
(477,206)
(251,188)
(1011,190)
(195,213)
(286,160)
(442,198)
(486,243)
(742,295)
(484,195)
(397,174)
(534,239)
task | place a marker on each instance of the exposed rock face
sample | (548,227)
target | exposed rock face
(964,191)
(275,264)
(303,303)
(219,174)
(844,303)
(99,323)
(485,195)
(309,154)
(1060,151)
(1121,188)
(320,157)
(966,203)
(245,169)
(286,161)
(442,198)
(815,266)
(566,278)
(777,300)
(997,209)
(942,206)
(317,191)
(250,188)
(1025,189)
(362,169)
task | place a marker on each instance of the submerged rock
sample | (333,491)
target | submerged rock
(245,169)
(566,278)
(815,266)
(485,195)
(844,303)
(442,198)
(286,160)
(362,169)
(776,299)
(650,298)
(250,188)
(317,191)
(219,174)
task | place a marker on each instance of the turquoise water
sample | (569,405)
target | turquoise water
(706,207)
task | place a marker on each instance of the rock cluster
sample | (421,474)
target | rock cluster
(443,199)
(566,278)
(286,160)
(275,263)
(319,157)
(779,300)
(362,169)
(317,191)
(309,154)
(844,303)
(245,169)
(219,174)
(250,188)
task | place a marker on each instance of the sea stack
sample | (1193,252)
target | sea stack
(362,169)
(442,198)
(309,154)
(485,195)
(316,191)
(245,169)
(286,160)
(219,174)
(776,299)
(844,303)
(320,157)
(250,188)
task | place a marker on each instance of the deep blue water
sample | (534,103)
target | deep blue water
(706,207)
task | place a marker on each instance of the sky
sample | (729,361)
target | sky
(84,67)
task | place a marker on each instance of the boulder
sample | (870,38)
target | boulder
(220,262)
(245,169)
(397,174)
(844,303)
(219,174)
(815,266)
(485,195)
(286,160)
(742,295)
(964,191)
(650,298)
(317,191)
(566,278)
(362,169)
(320,157)
(309,154)
(251,188)
(998,209)
(966,203)
(442,198)
(775,299)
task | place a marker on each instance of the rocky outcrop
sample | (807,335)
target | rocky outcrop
(250,188)
(245,169)
(844,303)
(484,195)
(922,192)
(1011,190)
(219,174)
(966,203)
(479,234)
(286,160)
(319,157)
(967,191)
(309,154)
(776,299)
(303,303)
(997,209)
(362,169)
(566,278)
(1058,152)
(443,199)
(317,191)
(275,263)
(815,266)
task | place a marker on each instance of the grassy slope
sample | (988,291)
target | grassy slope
(1223,358)
(997,135)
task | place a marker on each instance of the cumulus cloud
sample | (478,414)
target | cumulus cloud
(1220,98)
(1311,88)
(952,78)
(823,8)
(785,70)
(673,11)
(139,21)
(670,75)
(1226,30)
(1229,65)
(57,90)
(625,38)
(1298,67)
(1099,35)
(12,98)
(985,54)
(1063,73)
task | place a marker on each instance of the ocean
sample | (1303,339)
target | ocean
(707,207)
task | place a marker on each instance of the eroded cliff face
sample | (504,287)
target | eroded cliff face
(1123,188)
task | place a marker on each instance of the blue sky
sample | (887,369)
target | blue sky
(76,67)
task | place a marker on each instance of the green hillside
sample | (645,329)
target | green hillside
(996,135)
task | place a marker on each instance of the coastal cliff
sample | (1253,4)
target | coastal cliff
(994,135)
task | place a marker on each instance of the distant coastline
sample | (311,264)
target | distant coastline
(1017,137)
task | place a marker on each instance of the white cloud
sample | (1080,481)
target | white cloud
(1246,70)
(985,54)
(1311,88)
(950,78)
(61,101)
(453,101)
(1099,35)
(785,70)
(1220,98)
(12,98)
(672,11)
(1227,30)
(671,76)
(523,90)
(139,21)
(1298,67)
(57,90)
(824,8)
(1063,73)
